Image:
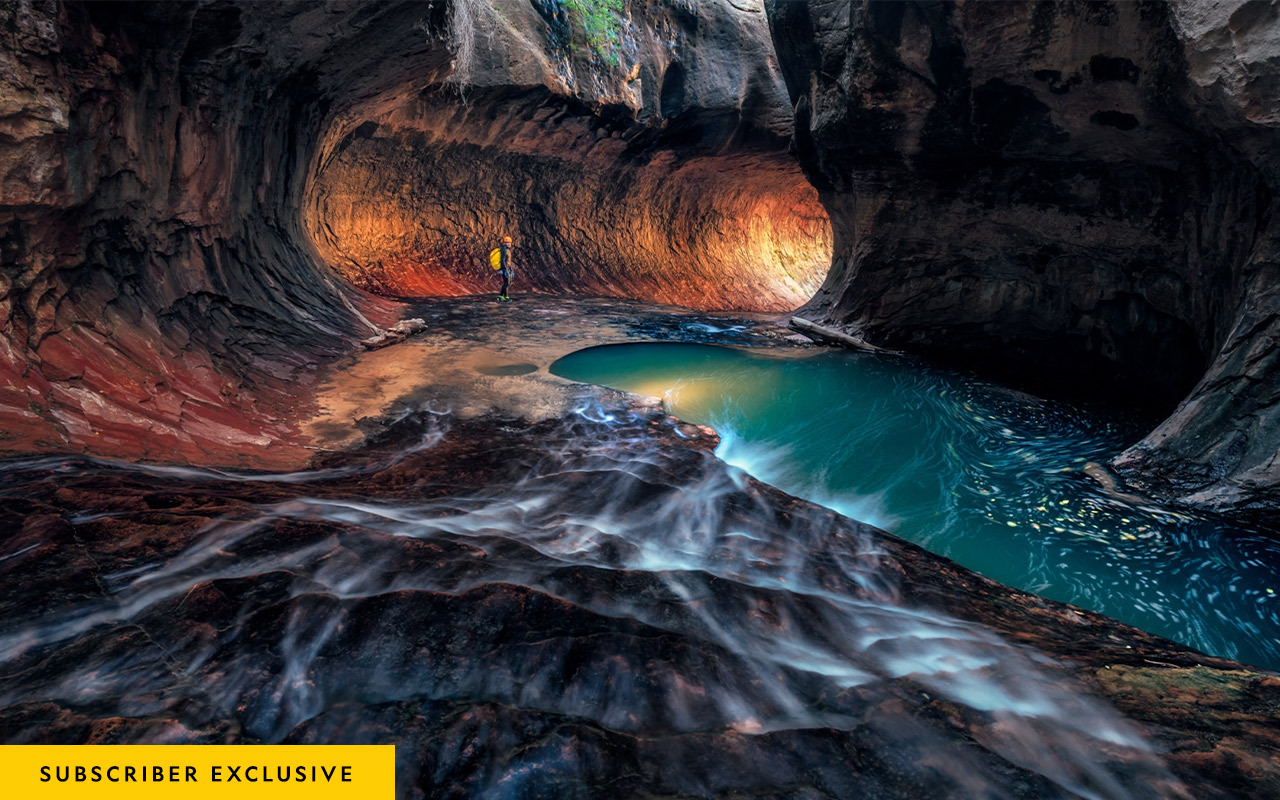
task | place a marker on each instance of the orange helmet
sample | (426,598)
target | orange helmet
(506,239)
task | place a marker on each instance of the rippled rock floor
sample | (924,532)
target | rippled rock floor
(577,602)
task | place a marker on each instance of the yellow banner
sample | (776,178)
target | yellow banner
(198,771)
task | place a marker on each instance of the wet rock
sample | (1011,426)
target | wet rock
(1223,700)
(1026,182)
(482,357)
(171,169)
(587,601)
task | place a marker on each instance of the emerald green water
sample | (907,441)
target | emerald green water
(973,471)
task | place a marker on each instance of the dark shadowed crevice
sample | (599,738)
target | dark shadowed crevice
(671,102)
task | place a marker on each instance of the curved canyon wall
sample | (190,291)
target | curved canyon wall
(154,301)
(1077,195)
(652,164)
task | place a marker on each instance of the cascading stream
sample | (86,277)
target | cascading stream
(579,577)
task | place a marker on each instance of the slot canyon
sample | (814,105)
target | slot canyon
(886,402)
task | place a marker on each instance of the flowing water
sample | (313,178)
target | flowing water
(986,476)
(578,608)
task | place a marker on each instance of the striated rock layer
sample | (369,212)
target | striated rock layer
(591,603)
(154,299)
(411,206)
(1075,194)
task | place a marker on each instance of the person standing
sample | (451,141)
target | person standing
(505,269)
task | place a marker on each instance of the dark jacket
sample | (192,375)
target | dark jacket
(505,255)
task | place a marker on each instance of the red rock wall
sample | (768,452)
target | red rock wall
(154,299)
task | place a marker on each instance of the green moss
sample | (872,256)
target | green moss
(601,24)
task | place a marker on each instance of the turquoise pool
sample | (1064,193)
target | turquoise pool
(987,476)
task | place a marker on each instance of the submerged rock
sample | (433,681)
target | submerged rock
(592,603)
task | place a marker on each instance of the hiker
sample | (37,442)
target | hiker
(500,259)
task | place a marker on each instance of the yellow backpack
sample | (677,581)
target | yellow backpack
(495,258)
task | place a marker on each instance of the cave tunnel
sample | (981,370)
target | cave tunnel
(279,468)
(671,184)
(692,212)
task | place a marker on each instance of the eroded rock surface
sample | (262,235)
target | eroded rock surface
(589,604)
(170,170)
(1077,192)
(154,298)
